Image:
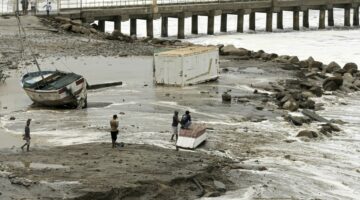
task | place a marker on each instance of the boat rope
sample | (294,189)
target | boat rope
(23,40)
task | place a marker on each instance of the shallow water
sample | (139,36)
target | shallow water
(138,100)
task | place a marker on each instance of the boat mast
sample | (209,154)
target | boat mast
(21,28)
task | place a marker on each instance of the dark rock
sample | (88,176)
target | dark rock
(297,120)
(309,104)
(226,97)
(215,194)
(333,83)
(303,64)
(225,69)
(273,55)
(265,56)
(12,118)
(307,133)
(332,67)
(316,65)
(259,108)
(316,90)
(350,67)
(289,141)
(294,60)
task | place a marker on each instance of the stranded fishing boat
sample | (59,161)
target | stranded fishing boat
(56,88)
(52,88)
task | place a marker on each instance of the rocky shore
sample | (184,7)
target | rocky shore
(314,79)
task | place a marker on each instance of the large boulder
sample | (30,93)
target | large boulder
(76,29)
(332,67)
(293,60)
(66,26)
(333,83)
(348,79)
(76,22)
(316,90)
(232,50)
(307,133)
(350,67)
(316,65)
(62,20)
(304,64)
(290,105)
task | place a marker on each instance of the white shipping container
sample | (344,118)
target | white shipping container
(185,66)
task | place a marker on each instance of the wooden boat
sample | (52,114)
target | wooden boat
(56,88)
(192,137)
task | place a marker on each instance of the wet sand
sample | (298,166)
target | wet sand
(96,171)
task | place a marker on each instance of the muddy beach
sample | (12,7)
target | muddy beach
(253,149)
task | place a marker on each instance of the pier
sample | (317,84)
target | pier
(149,10)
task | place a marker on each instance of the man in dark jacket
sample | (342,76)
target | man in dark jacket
(186,120)
(27,136)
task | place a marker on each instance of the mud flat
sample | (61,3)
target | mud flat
(96,171)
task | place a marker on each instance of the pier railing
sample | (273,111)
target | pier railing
(10,6)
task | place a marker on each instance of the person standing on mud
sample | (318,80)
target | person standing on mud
(174,125)
(48,8)
(114,124)
(186,120)
(27,136)
(33,7)
(23,6)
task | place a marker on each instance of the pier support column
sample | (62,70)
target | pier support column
(322,19)
(240,21)
(149,28)
(132,26)
(331,17)
(194,24)
(279,19)
(101,25)
(181,27)
(164,26)
(306,18)
(223,24)
(252,19)
(296,24)
(347,16)
(117,23)
(356,16)
(210,30)
(269,21)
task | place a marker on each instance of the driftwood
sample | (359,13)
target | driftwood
(103,85)
(199,186)
(314,116)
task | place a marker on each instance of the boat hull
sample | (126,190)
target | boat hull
(73,94)
(191,138)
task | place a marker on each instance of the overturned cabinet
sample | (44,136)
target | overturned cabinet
(186,66)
